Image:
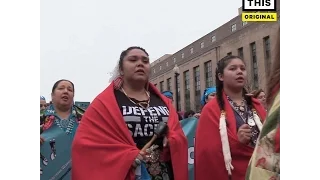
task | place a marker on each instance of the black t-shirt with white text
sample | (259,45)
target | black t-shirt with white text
(142,123)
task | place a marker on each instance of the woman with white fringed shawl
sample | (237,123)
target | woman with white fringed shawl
(229,125)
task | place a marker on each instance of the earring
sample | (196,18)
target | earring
(118,82)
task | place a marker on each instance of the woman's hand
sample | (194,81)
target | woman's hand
(165,142)
(139,157)
(244,134)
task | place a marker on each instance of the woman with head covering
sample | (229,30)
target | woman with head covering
(169,95)
(43,103)
(229,125)
(208,94)
(60,119)
(122,134)
(265,161)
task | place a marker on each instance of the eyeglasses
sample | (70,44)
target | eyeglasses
(43,105)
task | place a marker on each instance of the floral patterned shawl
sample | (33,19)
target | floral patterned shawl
(265,161)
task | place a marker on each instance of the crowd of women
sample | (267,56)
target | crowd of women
(132,131)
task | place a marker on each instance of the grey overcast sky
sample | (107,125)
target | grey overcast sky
(81,40)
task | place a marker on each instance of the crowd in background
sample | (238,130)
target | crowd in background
(231,119)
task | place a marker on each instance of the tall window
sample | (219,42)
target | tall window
(187,90)
(178,87)
(267,54)
(197,89)
(255,76)
(208,74)
(202,45)
(169,84)
(161,86)
(240,52)
(213,38)
(233,27)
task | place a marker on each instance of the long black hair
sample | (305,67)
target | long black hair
(221,65)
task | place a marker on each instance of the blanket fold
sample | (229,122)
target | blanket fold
(209,160)
(103,147)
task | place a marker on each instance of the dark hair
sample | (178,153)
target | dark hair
(219,84)
(274,80)
(257,92)
(58,82)
(125,52)
(190,112)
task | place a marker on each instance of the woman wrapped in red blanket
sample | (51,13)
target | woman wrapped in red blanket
(228,127)
(121,121)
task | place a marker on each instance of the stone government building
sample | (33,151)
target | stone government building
(253,41)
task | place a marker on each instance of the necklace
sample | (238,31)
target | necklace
(242,106)
(243,112)
(64,123)
(143,104)
(67,124)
